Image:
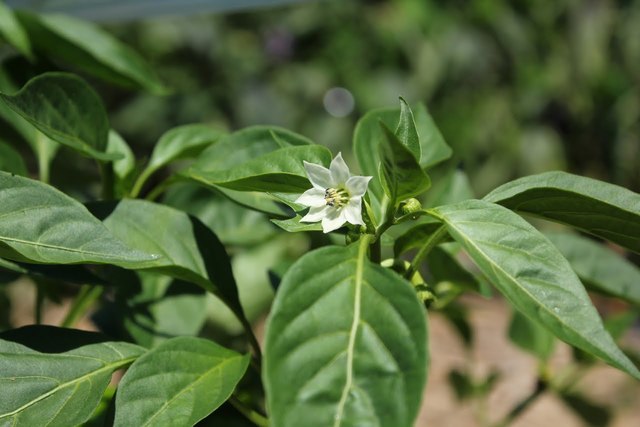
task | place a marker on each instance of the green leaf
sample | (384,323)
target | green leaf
(400,173)
(66,109)
(600,268)
(532,274)
(280,170)
(91,49)
(42,225)
(190,251)
(259,159)
(124,167)
(591,413)
(406,130)
(530,336)
(597,207)
(61,388)
(415,237)
(178,143)
(67,273)
(345,343)
(293,225)
(13,32)
(178,383)
(11,161)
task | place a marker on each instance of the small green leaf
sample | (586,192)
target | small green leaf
(13,32)
(592,414)
(66,109)
(600,268)
(406,131)
(532,274)
(11,161)
(42,225)
(345,343)
(93,50)
(415,237)
(293,225)
(124,167)
(178,143)
(400,173)
(178,383)
(597,207)
(530,336)
(62,388)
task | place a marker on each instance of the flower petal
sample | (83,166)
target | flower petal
(339,170)
(332,221)
(353,211)
(319,176)
(357,185)
(313,197)
(316,214)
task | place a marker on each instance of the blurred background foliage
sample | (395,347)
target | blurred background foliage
(517,87)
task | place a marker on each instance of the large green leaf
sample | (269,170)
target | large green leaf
(12,31)
(532,274)
(598,267)
(345,343)
(178,143)
(190,251)
(597,207)
(280,170)
(178,383)
(11,161)
(42,225)
(66,109)
(88,47)
(57,388)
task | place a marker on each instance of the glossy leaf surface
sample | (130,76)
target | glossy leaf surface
(345,343)
(597,207)
(599,267)
(178,383)
(91,49)
(62,388)
(42,225)
(66,109)
(532,274)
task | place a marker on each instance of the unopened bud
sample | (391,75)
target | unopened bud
(410,206)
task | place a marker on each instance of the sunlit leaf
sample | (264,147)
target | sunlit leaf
(345,344)
(532,274)
(178,383)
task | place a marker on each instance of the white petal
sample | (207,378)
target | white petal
(317,213)
(319,176)
(312,197)
(357,185)
(339,170)
(353,211)
(332,221)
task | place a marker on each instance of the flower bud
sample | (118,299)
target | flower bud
(410,206)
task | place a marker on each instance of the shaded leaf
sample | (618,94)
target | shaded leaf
(42,225)
(13,32)
(591,413)
(415,237)
(532,274)
(599,268)
(345,343)
(62,388)
(11,161)
(93,50)
(66,109)
(597,207)
(293,225)
(530,336)
(178,383)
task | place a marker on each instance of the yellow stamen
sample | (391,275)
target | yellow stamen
(336,197)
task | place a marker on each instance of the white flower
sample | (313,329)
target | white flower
(336,196)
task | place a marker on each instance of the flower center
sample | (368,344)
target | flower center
(336,197)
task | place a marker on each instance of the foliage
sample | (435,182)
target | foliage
(347,338)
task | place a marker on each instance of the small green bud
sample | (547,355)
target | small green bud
(410,206)
(425,294)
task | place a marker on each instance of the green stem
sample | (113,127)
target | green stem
(137,186)
(252,415)
(431,242)
(43,168)
(541,387)
(159,189)
(39,302)
(106,171)
(86,297)
(253,341)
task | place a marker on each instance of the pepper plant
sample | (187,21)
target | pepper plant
(346,340)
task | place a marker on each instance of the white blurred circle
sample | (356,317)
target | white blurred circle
(338,102)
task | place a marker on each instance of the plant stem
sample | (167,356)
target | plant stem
(86,297)
(431,242)
(39,302)
(252,415)
(158,189)
(541,387)
(106,171)
(43,168)
(253,341)
(137,186)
